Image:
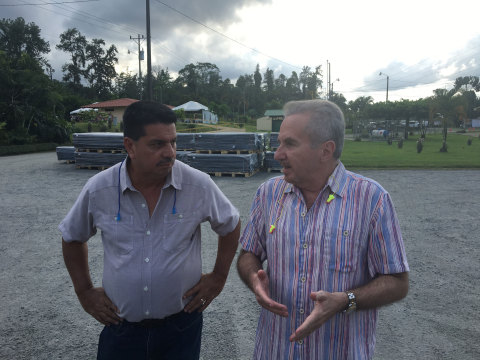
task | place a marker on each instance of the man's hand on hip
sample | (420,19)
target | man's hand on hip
(203,293)
(326,305)
(260,288)
(96,303)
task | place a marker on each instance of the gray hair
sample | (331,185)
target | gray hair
(326,121)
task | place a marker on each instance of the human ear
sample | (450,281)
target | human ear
(129,147)
(327,150)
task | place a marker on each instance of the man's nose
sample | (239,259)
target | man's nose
(170,150)
(279,155)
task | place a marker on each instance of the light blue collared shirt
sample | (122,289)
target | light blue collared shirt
(149,262)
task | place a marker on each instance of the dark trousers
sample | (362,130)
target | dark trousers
(177,337)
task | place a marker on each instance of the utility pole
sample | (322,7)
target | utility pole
(388,78)
(138,40)
(149,55)
(328,80)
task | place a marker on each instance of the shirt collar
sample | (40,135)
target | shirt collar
(174,179)
(337,180)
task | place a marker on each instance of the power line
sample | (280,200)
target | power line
(226,36)
(50,3)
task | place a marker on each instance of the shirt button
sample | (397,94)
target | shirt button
(301,311)
(147,260)
(147,312)
(300,342)
(305,245)
(143,205)
(303,279)
(180,216)
(303,214)
(145,288)
(148,232)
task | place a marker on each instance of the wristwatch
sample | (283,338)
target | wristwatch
(352,303)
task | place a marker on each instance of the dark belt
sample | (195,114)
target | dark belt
(151,323)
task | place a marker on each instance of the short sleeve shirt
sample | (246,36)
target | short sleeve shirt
(149,261)
(349,235)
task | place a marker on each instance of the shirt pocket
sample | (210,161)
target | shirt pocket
(117,236)
(179,230)
(341,251)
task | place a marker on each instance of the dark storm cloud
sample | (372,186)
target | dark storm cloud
(173,26)
(167,16)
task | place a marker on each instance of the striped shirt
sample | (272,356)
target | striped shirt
(336,245)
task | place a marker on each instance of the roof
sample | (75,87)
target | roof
(124,102)
(273,113)
(191,106)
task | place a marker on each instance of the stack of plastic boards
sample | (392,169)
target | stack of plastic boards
(98,141)
(97,160)
(183,156)
(66,153)
(224,163)
(270,163)
(274,140)
(185,141)
(229,141)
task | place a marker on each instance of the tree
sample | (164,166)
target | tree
(18,38)
(126,86)
(161,84)
(269,83)
(310,82)
(101,67)
(28,103)
(292,87)
(73,42)
(257,77)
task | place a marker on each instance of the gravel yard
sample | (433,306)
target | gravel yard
(41,318)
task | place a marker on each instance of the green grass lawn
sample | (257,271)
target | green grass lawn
(378,154)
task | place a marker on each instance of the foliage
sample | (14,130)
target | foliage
(18,39)
(25,149)
(73,42)
(33,107)
(419,145)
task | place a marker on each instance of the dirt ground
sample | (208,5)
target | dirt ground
(40,317)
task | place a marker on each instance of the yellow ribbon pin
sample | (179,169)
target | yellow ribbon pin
(330,198)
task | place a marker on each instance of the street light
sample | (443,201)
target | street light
(331,85)
(380,74)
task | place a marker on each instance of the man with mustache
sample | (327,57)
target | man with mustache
(149,209)
(332,243)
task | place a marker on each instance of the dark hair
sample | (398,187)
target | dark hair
(142,113)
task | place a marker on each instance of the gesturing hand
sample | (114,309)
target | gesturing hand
(95,302)
(326,305)
(262,294)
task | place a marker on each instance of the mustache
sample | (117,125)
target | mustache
(166,161)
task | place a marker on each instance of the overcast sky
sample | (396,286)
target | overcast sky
(421,45)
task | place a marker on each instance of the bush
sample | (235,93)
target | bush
(27,148)
(419,146)
(444,147)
